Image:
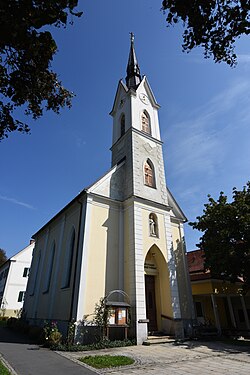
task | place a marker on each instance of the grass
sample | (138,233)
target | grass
(106,361)
(3,369)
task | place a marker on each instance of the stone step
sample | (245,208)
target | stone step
(153,340)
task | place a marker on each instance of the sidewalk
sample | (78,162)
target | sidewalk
(191,358)
(27,358)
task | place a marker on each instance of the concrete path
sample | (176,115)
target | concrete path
(193,358)
(27,358)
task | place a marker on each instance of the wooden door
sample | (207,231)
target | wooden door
(150,303)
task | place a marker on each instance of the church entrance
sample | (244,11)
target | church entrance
(150,303)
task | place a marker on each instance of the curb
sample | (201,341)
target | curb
(7,365)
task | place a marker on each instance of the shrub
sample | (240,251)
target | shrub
(51,334)
(103,344)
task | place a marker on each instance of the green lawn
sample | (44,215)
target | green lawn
(105,361)
(3,369)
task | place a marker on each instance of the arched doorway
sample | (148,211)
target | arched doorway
(151,303)
(157,290)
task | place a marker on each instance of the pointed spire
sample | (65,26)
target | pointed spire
(133,78)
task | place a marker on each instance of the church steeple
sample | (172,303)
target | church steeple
(133,78)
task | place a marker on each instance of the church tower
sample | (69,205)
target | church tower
(153,222)
(122,234)
(136,135)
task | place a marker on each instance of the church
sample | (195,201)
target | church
(122,236)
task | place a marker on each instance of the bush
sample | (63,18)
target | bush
(51,334)
(103,344)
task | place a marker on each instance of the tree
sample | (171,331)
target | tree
(3,257)
(27,49)
(212,24)
(226,235)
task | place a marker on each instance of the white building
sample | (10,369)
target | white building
(124,232)
(13,281)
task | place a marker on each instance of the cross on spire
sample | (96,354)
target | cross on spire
(133,78)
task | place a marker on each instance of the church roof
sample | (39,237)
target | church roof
(175,207)
(133,78)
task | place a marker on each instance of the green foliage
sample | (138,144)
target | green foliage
(27,49)
(71,333)
(3,256)
(226,235)
(212,24)
(3,369)
(102,344)
(51,334)
(106,361)
(101,316)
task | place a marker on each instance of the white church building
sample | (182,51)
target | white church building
(124,232)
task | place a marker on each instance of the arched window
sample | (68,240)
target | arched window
(69,261)
(122,125)
(149,176)
(153,225)
(49,268)
(145,122)
(32,283)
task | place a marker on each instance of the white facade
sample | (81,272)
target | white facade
(13,281)
(103,240)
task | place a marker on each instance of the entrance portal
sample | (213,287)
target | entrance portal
(150,302)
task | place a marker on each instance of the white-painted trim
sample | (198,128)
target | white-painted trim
(84,261)
(141,329)
(121,250)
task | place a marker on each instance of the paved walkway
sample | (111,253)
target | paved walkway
(27,358)
(191,358)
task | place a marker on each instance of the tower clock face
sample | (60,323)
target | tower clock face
(144,98)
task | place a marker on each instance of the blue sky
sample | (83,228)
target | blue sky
(204,119)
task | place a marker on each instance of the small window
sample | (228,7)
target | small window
(153,225)
(26,272)
(122,125)
(149,178)
(21,297)
(145,122)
